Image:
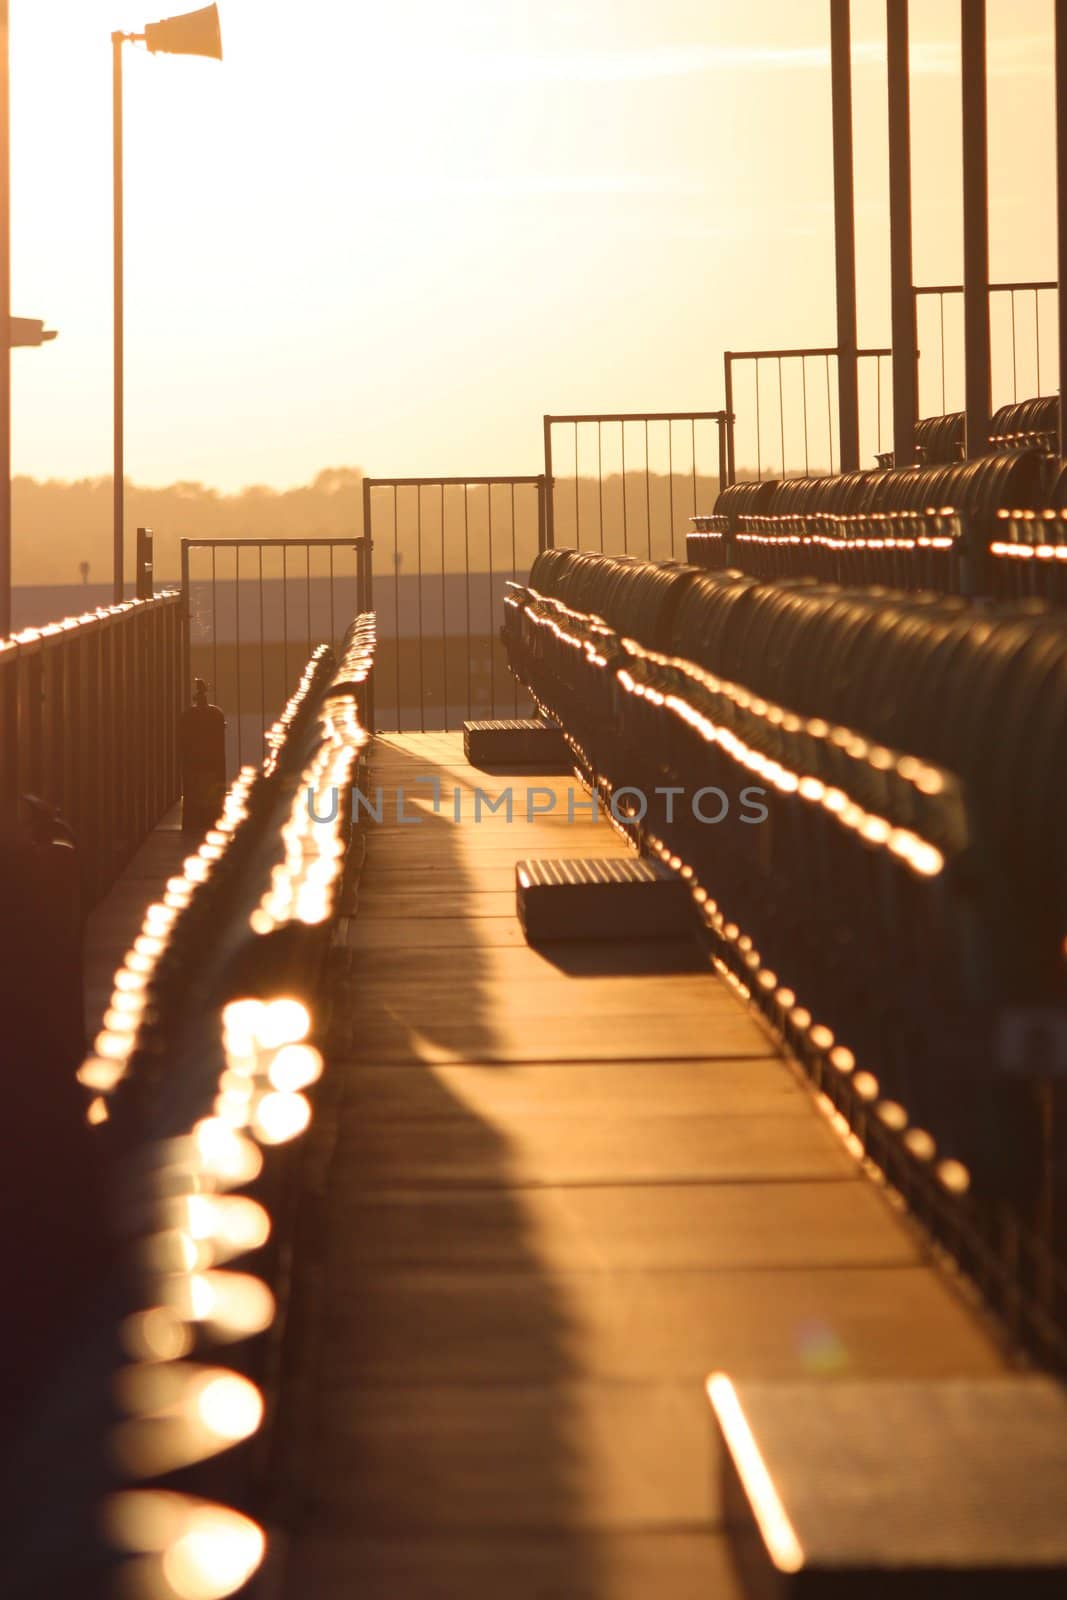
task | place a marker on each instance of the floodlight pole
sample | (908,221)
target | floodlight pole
(848,405)
(119,468)
(196,33)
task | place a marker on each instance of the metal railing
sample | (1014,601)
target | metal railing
(254,608)
(88,722)
(442,548)
(800,414)
(1023,351)
(631,501)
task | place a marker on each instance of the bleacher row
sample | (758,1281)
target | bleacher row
(994,525)
(143,1433)
(899,910)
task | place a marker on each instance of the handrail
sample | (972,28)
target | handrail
(88,722)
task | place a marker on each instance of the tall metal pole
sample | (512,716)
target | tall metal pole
(5,326)
(976,339)
(119,470)
(905,368)
(1061,201)
(844,234)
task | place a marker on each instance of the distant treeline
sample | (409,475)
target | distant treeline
(58,526)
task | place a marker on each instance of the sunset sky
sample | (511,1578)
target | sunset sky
(392,236)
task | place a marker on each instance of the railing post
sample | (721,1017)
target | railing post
(186,624)
(844,236)
(976,340)
(145,585)
(1061,203)
(728,396)
(905,359)
(368,542)
(550,497)
(722,451)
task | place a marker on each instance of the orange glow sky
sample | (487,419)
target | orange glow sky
(393,236)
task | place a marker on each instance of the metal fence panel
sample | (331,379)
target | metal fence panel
(626,483)
(442,550)
(255,609)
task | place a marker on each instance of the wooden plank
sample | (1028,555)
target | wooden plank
(635,1327)
(546,1151)
(574,1089)
(696,1227)
(687,1565)
(532,1456)
(490,1035)
(381,929)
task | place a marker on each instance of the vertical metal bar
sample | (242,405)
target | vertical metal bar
(625,528)
(1014,361)
(728,401)
(804,403)
(1037,336)
(307,568)
(214,629)
(396,596)
(829,416)
(1061,213)
(781,412)
(648,494)
(600,476)
(723,426)
(333,624)
(693,459)
(444,606)
(237,641)
(550,489)
(467,590)
(670,474)
(577,507)
(119,469)
(844,234)
(514,577)
(187,617)
(492,609)
(941,313)
(976,342)
(5,322)
(759,427)
(285,623)
(418,557)
(902,289)
(263,652)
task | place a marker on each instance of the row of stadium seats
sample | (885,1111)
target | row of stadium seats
(908,881)
(941,527)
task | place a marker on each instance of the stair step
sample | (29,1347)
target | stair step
(516,742)
(955,1488)
(601,898)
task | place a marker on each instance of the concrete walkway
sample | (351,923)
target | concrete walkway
(550,1192)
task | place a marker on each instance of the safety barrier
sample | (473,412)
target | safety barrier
(195,1087)
(88,718)
(886,875)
